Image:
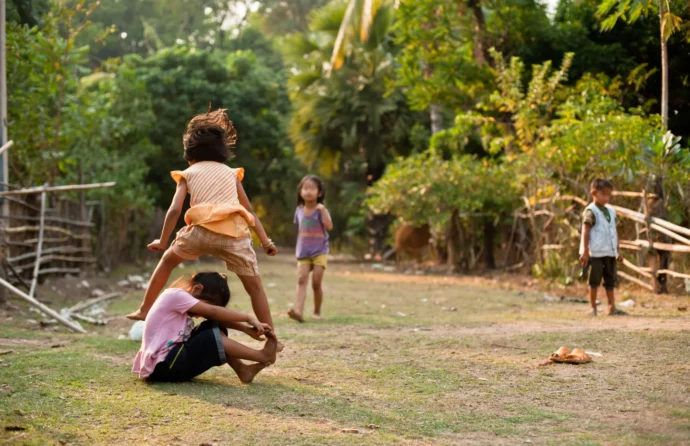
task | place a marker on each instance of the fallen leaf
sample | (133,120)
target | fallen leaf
(58,345)
(374,426)
(14,428)
(350,431)
(682,307)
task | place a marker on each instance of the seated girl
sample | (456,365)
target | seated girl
(173,349)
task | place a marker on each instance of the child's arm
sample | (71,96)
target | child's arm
(584,258)
(228,317)
(266,242)
(246,329)
(325,217)
(171,218)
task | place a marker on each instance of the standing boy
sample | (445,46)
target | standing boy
(599,245)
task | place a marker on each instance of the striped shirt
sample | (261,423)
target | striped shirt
(214,202)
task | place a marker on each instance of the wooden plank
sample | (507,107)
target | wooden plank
(637,269)
(39,247)
(572,198)
(635,280)
(636,216)
(67,232)
(52,258)
(660,246)
(59,250)
(71,325)
(673,273)
(74,187)
(620,193)
(51,219)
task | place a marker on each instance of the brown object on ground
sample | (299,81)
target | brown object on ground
(566,356)
(559,355)
(682,307)
(411,240)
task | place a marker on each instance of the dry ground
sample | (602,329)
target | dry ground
(398,359)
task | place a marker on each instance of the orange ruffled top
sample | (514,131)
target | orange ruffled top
(215,204)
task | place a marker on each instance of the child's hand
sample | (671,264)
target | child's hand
(584,259)
(156,246)
(254,334)
(260,327)
(320,207)
(620,258)
(271,250)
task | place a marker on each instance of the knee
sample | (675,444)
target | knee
(302,279)
(316,284)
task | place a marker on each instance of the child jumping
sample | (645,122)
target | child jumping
(599,245)
(313,223)
(220,216)
(173,350)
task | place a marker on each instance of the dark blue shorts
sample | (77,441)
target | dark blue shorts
(203,350)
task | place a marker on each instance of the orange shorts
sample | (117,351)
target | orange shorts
(237,253)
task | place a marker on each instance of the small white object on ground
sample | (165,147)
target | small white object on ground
(134,278)
(389,269)
(123,283)
(627,303)
(271,284)
(400,313)
(383,305)
(83,284)
(97,293)
(377,266)
(598,355)
(122,337)
(137,331)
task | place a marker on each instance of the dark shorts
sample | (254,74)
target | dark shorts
(602,268)
(203,350)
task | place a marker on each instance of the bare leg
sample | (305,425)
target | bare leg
(593,299)
(160,277)
(235,350)
(612,301)
(253,287)
(302,282)
(316,280)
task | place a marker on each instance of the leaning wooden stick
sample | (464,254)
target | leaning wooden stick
(635,280)
(39,247)
(94,301)
(41,307)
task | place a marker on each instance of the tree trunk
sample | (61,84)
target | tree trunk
(436,114)
(479,32)
(452,240)
(489,236)
(662,258)
(664,66)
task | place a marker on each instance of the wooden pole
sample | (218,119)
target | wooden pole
(39,247)
(635,280)
(4,171)
(41,307)
(38,190)
(4,148)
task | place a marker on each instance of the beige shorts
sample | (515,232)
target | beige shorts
(237,253)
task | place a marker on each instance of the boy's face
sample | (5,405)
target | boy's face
(602,197)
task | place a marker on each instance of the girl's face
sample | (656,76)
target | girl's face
(310,192)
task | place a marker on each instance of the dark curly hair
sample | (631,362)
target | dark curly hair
(209,137)
(319,184)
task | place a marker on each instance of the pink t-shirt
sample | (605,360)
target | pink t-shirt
(166,325)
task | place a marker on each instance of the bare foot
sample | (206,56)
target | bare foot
(138,315)
(280,347)
(295,315)
(270,349)
(316,316)
(247,373)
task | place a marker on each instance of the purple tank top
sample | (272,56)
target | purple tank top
(312,237)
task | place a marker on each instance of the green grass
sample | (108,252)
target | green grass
(430,376)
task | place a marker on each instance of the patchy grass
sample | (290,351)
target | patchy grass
(401,359)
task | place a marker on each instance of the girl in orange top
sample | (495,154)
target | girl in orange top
(220,217)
